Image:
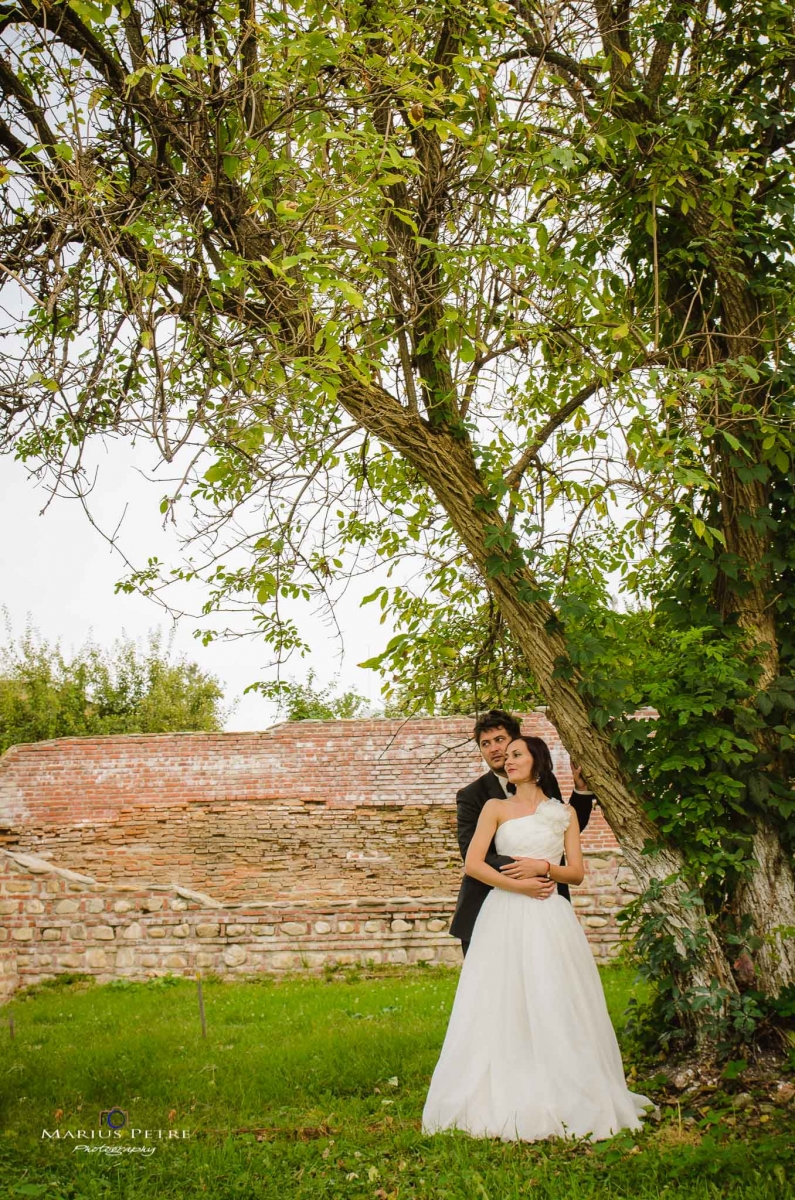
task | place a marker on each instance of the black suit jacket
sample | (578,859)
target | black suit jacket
(469,803)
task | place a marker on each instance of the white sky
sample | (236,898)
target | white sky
(58,573)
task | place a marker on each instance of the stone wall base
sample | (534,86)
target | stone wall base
(54,921)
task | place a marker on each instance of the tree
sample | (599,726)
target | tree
(504,286)
(44,694)
(309,702)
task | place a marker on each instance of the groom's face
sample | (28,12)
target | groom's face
(493,744)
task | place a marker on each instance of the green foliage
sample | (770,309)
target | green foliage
(309,702)
(699,762)
(666,1021)
(519,229)
(45,694)
(455,653)
(451,656)
(730,1021)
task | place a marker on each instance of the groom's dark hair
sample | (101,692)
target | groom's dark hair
(495,718)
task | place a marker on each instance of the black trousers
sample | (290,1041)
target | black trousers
(465,947)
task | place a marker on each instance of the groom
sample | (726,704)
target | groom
(494,731)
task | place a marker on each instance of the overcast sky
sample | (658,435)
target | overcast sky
(58,573)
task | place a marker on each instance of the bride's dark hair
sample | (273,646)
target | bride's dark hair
(542,762)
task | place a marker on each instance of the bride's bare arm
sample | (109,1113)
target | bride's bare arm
(475,862)
(574,870)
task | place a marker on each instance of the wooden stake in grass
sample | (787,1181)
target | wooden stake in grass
(201,1006)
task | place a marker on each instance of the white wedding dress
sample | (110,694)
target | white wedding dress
(530,1051)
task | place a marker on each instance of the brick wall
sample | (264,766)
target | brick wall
(422,761)
(316,808)
(319,814)
(248,850)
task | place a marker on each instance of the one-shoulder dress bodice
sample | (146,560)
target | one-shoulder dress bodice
(537,835)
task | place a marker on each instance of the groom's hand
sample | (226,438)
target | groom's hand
(526,868)
(579,783)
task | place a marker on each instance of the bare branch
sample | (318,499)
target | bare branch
(535,46)
(514,476)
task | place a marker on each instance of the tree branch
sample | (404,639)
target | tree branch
(249,62)
(657,67)
(514,476)
(536,47)
(614,29)
(557,419)
(661,55)
(73,33)
(11,85)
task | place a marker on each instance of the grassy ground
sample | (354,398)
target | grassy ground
(314,1088)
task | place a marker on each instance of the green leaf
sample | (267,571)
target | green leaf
(373,664)
(266,589)
(353,297)
(91,13)
(217,472)
(288,209)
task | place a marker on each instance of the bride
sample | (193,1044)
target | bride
(530,1051)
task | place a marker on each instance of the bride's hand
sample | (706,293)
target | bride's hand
(537,888)
(525,868)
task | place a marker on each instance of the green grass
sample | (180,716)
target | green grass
(311,1087)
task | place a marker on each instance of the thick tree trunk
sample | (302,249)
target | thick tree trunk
(745,506)
(447,465)
(768,897)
